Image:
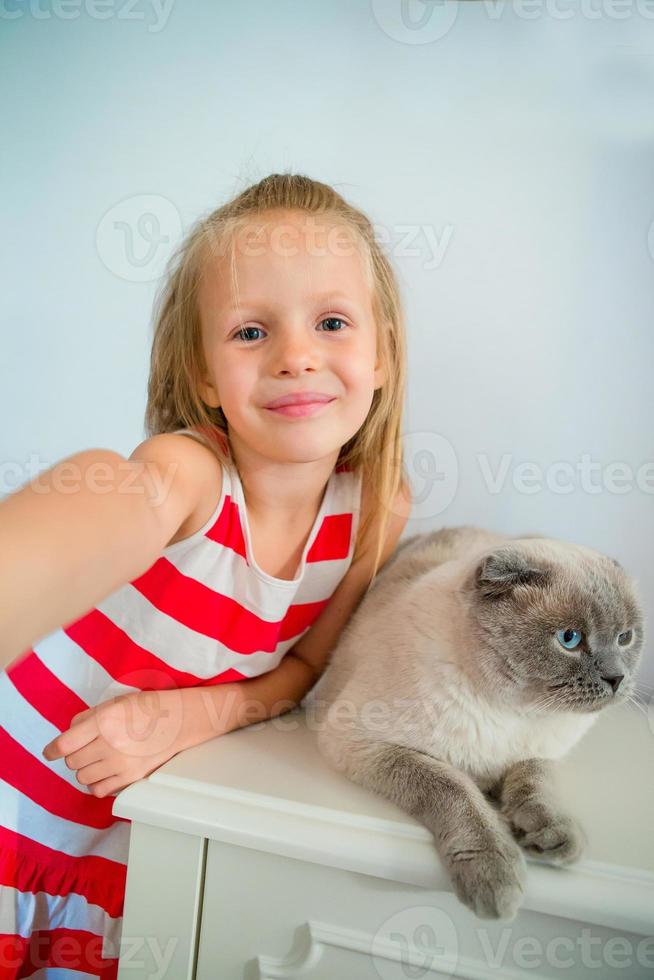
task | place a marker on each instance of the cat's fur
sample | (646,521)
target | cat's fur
(449,694)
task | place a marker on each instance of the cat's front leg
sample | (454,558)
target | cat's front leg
(536,820)
(486,867)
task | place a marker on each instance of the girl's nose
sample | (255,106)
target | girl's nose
(295,353)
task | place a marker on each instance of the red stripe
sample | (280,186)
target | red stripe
(220,617)
(35,780)
(53,700)
(331,542)
(30,866)
(333,539)
(122,658)
(227,529)
(73,950)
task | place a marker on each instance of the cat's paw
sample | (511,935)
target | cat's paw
(489,880)
(546,833)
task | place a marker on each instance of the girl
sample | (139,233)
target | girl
(247,527)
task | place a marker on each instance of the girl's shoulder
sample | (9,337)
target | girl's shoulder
(190,475)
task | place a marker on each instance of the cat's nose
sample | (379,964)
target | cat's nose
(614,680)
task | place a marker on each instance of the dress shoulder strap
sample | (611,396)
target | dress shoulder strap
(207,436)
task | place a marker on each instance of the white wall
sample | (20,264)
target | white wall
(518,138)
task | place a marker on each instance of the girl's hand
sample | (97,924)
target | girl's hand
(122,740)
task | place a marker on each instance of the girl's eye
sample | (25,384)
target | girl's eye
(239,335)
(333,319)
(569,639)
(625,638)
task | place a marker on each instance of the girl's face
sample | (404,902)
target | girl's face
(302,321)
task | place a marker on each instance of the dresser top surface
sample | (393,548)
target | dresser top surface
(606,781)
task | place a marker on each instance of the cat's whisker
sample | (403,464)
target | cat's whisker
(545,701)
(643,697)
(638,704)
(632,700)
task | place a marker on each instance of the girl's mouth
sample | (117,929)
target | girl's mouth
(300,411)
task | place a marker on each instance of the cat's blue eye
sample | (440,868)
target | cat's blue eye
(569,639)
(625,638)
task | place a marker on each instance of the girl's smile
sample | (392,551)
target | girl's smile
(299,411)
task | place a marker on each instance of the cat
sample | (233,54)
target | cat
(472,663)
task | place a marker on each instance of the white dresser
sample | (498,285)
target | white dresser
(251,859)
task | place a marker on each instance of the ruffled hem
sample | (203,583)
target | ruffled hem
(98,880)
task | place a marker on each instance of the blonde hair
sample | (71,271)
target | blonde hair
(178,365)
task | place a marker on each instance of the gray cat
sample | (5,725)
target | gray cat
(472,662)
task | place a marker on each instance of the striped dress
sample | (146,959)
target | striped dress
(203,613)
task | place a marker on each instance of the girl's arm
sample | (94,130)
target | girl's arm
(213,710)
(83,528)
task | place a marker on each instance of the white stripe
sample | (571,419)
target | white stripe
(180,646)
(31,730)
(227,572)
(77,670)
(22,913)
(23,816)
(192,652)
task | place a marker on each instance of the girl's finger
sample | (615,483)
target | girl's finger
(95,773)
(94,751)
(81,714)
(72,739)
(106,786)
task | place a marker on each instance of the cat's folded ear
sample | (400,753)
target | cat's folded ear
(497,574)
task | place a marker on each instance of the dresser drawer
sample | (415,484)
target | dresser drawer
(269,916)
